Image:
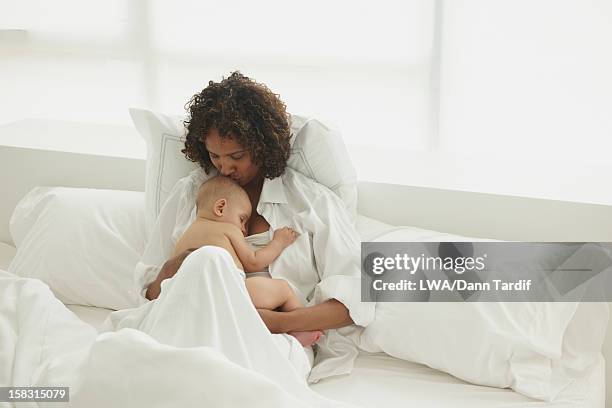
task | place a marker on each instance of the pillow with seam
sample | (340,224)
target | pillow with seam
(313,147)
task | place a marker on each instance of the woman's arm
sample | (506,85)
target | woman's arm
(330,314)
(168,270)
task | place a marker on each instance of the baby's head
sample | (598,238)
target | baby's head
(222,199)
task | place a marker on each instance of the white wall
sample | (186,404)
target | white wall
(518,91)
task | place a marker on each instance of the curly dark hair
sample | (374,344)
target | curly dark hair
(246,111)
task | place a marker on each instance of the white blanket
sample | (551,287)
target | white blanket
(44,344)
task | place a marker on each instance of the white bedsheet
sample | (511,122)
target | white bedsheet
(206,304)
(44,344)
(379,380)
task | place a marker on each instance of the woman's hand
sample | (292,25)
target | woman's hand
(330,314)
(168,270)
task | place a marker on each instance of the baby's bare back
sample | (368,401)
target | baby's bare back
(205,232)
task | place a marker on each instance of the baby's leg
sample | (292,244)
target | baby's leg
(272,294)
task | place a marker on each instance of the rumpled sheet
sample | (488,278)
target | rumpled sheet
(42,343)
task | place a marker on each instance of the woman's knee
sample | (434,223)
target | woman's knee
(209,253)
(209,260)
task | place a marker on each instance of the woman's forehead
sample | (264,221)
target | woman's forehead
(223,145)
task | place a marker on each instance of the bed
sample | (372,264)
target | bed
(379,379)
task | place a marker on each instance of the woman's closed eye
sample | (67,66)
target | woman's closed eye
(236,156)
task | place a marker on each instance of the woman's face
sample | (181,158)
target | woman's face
(230,158)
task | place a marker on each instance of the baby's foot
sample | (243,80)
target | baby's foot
(307,338)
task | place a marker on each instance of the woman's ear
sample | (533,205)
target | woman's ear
(219,207)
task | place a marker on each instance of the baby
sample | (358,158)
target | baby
(223,209)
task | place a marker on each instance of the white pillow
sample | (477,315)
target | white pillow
(533,348)
(83,243)
(317,152)
(164,136)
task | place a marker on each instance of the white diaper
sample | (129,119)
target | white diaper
(264,274)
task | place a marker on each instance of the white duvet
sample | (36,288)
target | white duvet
(44,344)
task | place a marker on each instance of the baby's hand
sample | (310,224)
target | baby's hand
(285,236)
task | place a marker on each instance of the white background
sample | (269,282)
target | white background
(510,97)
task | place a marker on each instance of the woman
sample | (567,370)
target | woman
(241,129)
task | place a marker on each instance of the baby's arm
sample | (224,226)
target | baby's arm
(255,261)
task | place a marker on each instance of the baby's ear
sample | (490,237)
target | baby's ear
(219,207)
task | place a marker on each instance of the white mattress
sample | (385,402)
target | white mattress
(382,381)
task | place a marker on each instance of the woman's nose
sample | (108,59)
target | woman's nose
(225,169)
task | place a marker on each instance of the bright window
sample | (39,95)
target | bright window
(510,97)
